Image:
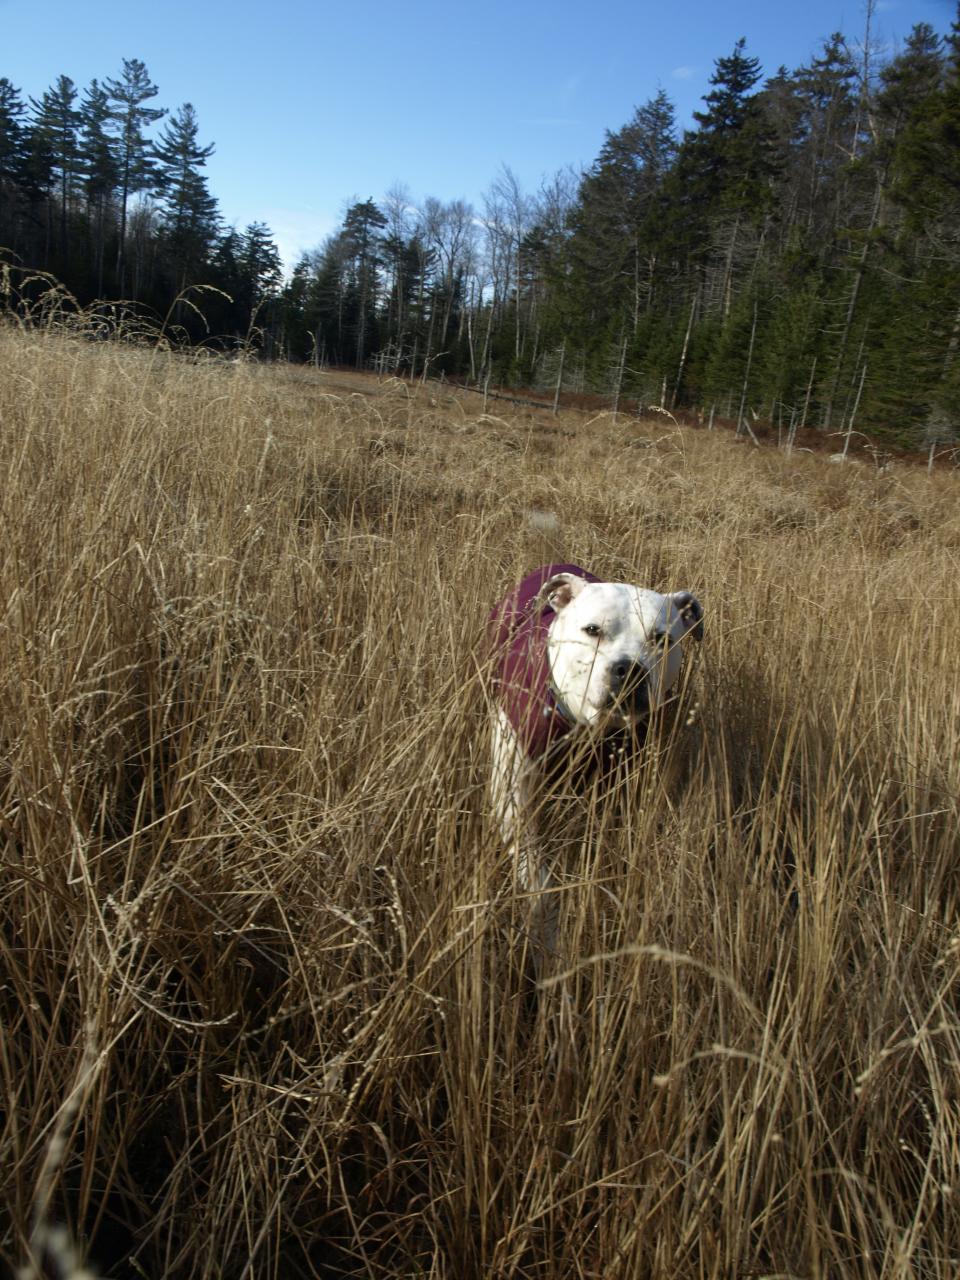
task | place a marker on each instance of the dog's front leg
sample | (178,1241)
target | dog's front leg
(516,787)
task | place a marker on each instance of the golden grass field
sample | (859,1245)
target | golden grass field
(265,1010)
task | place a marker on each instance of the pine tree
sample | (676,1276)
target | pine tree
(925,166)
(734,144)
(13,160)
(247,267)
(927,159)
(728,101)
(722,191)
(12,140)
(826,96)
(613,247)
(333,298)
(134,159)
(101,170)
(259,261)
(910,79)
(189,210)
(56,123)
(294,306)
(360,232)
(409,265)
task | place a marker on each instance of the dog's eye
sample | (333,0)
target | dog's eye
(591,629)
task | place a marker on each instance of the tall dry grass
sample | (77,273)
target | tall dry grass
(264,1008)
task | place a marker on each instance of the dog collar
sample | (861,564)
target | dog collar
(555,706)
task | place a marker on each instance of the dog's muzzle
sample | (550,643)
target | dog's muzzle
(630,688)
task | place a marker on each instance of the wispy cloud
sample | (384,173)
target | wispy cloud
(683,73)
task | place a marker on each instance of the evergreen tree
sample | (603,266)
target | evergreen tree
(260,262)
(927,157)
(613,247)
(806,230)
(334,299)
(722,192)
(728,101)
(101,171)
(13,158)
(12,134)
(361,240)
(826,95)
(409,264)
(56,122)
(925,163)
(298,341)
(189,217)
(910,80)
(247,267)
(134,158)
(728,165)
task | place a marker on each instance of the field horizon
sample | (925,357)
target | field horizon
(264,1002)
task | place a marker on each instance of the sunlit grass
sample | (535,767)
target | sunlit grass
(264,1005)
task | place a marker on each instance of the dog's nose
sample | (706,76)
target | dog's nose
(627,676)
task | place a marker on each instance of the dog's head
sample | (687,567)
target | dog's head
(613,648)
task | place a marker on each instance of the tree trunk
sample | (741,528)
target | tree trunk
(619,378)
(686,344)
(728,270)
(859,273)
(556,394)
(856,406)
(741,422)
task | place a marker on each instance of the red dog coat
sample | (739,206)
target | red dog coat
(518,628)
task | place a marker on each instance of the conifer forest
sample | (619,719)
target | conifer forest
(794,258)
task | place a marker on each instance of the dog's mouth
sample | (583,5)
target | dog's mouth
(629,696)
(627,713)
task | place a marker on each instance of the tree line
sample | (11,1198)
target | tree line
(795,256)
(96,192)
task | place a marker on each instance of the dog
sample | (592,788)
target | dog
(577,661)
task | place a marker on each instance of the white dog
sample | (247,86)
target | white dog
(575,658)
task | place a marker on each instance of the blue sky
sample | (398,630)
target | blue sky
(312,104)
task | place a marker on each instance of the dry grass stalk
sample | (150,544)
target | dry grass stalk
(248,855)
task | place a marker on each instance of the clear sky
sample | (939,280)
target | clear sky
(312,104)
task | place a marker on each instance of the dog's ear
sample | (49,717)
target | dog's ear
(691,612)
(559,590)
